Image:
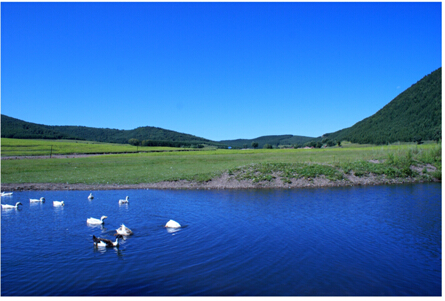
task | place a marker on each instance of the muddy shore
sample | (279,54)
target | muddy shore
(223,182)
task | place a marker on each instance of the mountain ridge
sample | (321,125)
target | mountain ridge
(414,114)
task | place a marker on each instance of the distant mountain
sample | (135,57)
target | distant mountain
(15,128)
(413,114)
(272,140)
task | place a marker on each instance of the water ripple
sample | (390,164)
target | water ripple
(349,241)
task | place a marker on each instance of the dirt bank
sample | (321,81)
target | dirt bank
(223,182)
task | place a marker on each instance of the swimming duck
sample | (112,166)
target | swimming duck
(96,221)
(172,224)
(11,206)
(41,200)
(90,197)
(58,204)
(124,201)
(103,242)
(6,193)
(123,230)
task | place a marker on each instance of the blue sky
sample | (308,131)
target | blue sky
(215,70)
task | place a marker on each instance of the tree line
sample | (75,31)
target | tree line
(137,142)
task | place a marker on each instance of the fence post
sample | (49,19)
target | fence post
(50,154)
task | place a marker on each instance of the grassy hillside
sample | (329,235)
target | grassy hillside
(15,128)
(272,140)
(415,113)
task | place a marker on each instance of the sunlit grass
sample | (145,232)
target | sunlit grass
(35,147)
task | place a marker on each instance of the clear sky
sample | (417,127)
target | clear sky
(215,70)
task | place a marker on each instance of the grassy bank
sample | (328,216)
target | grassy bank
(255,165)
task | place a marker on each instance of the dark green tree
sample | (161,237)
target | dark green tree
(133,141)
(330,143)
(417,139)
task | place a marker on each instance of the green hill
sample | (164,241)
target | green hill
(272,140)
(152,136)
(415,113)
(16,128)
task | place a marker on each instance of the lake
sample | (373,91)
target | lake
(351,241)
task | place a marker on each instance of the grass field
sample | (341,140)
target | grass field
(30,147)
(206,164)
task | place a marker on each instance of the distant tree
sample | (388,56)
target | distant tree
(438,135)
(338,143)
(417,139)
(133,141)
(267,146)
(146,143)
(330,143)
(254,144)
(318,144)
(311,144)
(197,146)
(244,145)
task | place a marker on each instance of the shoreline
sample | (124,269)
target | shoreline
(223,182)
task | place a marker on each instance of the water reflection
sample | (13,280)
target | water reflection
(11,212)
(95,226)
(173,230)
(123,206)
(58,208)
(103,250)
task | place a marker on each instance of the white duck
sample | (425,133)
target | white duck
(90,197)
(11,206)
(103,242)
(123,230)
(6,193)
(41,200)
(96,221)
(172,224)
(124,201)
(58,204)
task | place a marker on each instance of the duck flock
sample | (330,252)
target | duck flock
(97,241)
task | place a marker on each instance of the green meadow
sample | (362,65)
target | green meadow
(203,165)
(29,147)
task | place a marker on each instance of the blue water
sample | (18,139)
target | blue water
(358,241)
